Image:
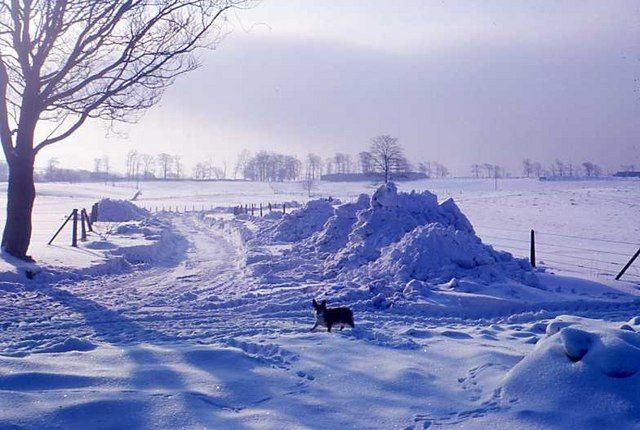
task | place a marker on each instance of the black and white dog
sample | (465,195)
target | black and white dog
(330,317)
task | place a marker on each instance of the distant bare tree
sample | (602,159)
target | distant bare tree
(527,167)
(241,163)
(313,166)
(177,161)
(366,163)
(387,155)
(97,165)
(329,165)
(475,170)
(165,162)
(65,61)
(591,169)
(537,168)
(132,162)
(148,165)
(441,170)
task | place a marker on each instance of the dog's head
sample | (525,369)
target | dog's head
(319,307)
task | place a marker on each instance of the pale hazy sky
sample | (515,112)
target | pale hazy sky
(456,81)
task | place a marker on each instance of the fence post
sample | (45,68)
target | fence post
(532,254)
(629,263)
(89,222)
(260,209)
(94,213)
(74,232)
(252,208)
(269,206)
(83,227)
(284,208)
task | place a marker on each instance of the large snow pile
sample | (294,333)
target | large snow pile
(400,250)
(437,253)
(303,222)
(110,210)
(583,374)
(335,232)
(389,217)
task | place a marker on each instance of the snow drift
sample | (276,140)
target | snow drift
(120,211)
(303,222)
(583,374)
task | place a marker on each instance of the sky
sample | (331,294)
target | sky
(458,82)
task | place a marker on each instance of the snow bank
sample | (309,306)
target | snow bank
(583,374)
(435,252)
(335,232)
(390,216)
(303,222)
(120,211)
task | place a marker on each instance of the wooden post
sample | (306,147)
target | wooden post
(629,263)
(61,227)
(94,213)
(251,209)
(532,254)
(284,208)
(246,209)
(86,217)
(260,209)
(83,229)
(74,232)
(269,206)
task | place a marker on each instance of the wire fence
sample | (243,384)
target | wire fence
(597,257)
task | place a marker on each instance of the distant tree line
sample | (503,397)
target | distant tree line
(560,168)
(384,157)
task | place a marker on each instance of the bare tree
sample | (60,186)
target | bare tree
(527,167)
(537,168)
(66,61)
(97,165)
(177,161)
(366,164)
(165,161)
(441,170)
(591,169)
(313,167)
(132,161)
(475,170)
(386,155)
(148,165)
(241,163)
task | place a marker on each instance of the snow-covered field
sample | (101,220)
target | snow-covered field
(201,320)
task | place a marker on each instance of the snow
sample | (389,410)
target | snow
(119,211)
(201,319)
(582,373)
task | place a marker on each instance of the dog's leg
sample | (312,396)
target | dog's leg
(341,327)
(329,328)
(314,326)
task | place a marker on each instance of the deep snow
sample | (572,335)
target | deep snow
(211,329)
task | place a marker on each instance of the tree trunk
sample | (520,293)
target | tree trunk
(20,197)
